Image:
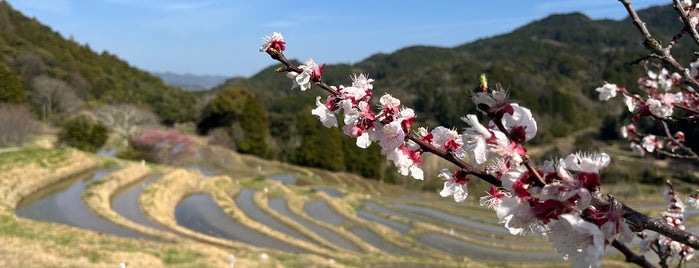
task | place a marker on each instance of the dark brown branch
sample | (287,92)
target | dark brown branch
(458,162)
(655,46)
(639,222)
(631,257)
(677,5)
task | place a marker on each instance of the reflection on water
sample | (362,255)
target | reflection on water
(329,191)
(460,248)
(63,203)
(283,178)
(279,204)
(395,225)
(126,204)
(200,213)
(377,241)
(246,204)
(321,211)
(451,219)
(204,171)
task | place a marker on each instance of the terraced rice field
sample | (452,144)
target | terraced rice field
(270,214)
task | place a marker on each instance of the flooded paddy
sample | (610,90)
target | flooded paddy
(63,203)
(245,203)
(200,213)
(279,204)
(126,204)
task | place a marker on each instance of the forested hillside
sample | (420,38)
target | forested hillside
(551,65)
(76,75)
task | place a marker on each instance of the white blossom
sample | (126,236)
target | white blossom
(606,91)
(580,241)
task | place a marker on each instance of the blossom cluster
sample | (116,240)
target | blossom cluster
(552,199)
(673,216)
(664,98)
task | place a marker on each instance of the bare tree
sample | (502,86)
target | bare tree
(126,120)
(17,125)
(53,96)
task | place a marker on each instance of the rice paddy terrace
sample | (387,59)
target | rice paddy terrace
(83,210)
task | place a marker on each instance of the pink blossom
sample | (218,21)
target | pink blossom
(273,43)
(393,137)
(389,104)
(628,131)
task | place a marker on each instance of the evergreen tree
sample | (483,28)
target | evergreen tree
(321,147)
(223,110)
(11,89)
(254,123)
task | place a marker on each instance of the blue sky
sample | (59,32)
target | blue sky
(222,37)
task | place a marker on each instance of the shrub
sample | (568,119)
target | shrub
(83,132)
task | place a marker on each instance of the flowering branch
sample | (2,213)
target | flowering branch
(560,198)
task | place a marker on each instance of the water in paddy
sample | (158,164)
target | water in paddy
(279,204)
(126,204)
(63,203)
(246,204)
(200,213)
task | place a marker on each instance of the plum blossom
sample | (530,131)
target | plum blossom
(393,137)
(607,91)
(494,103)
(591,163)
(692,200)
(406,161)
(311,73)
(455,184)
(517,215)
(520,123)
(326,116)
(628,131)
(612,223)
(273,43)
(493,198)
(650,143)
(475,137)
(658,108)
(448,140)
(580,241)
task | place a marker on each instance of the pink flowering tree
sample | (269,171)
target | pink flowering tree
(165,146)
(560,198)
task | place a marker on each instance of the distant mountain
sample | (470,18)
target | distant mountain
(551,65)
(191,82)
